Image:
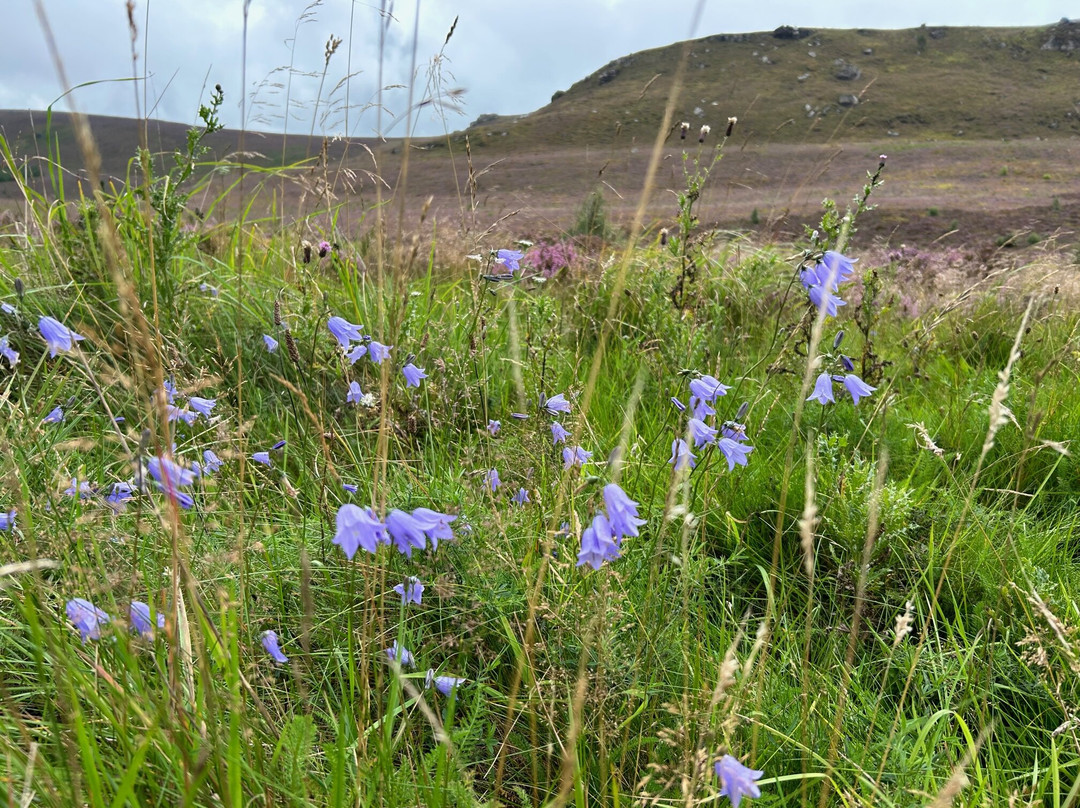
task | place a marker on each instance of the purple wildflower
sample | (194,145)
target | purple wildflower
(54,417)
(734,452)
(838,266)
(701,433)
(558,433)
(211,462)
(678,404)
(7,308)
(81,490)
(378,353)
(406,531)
(350,488)
(120,495)
(856,387)
(355,393)
(622,512)
(491,478)
(139,613)
(87,617)
(356,353)
(493,427)
(262,457)
(597,544)
(57,336)
(344,331)
(444,684)
(170,477)
(170,391)
(436,526)
(509,259)
(681,456)
(411,591)
(575,456)
(203,406)
(557,404)
(820,297)
(823,390)
(271,343)
(324,248)
(9,353)
(736,780)
(7,520)
(270,643)
(400,654)
(413,375)
(358,527)
(521,497)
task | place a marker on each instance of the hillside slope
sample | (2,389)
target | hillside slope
(796,86)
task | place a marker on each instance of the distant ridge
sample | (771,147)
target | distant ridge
(796,85)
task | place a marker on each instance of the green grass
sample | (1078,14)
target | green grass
(755,614)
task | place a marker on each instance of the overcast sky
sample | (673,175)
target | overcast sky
(507,56)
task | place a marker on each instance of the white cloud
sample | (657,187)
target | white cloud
(508,56)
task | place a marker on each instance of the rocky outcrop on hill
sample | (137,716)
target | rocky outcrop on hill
(1064,37)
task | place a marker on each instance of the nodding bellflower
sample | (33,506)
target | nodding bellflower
(736,780)
(203,406)
(597,543)
(211,462)
(406,531)
(436,526)
(734,452)
(87,618)
(557,404)
(856,386)
(170,477)
(177,414)
(358,527)
(413,375)
(270,643)
(493,427)
(558,434)
(575,456)
(355,394)
(622,512)
(823,390)
(170,391)
(509,259)
(521,497)
(139,613)
(261,457)
(270,343)
(356,353)
(444,684)
(701,433)
(344,331)
(378,353)
(7,520)
(58,337)
(681,456)
(54,417)
(400,654)
(412,591)
(491,478)
(9,353)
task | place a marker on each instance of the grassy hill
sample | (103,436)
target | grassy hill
(919,83)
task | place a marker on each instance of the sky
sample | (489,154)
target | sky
(505,56)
